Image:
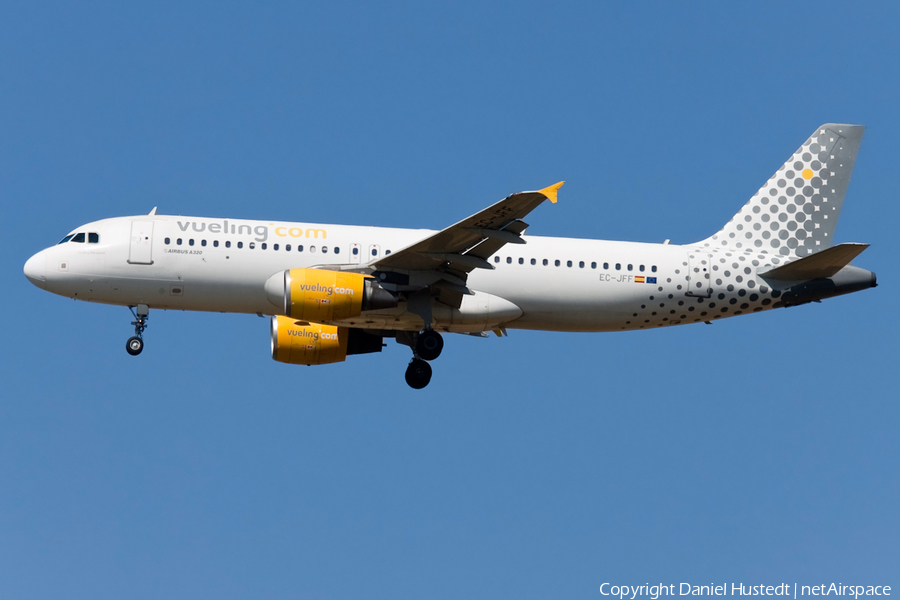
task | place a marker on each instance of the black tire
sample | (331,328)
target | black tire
(429,345)
(418,374)
(134,346)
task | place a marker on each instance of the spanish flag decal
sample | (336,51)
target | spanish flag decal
(639,279)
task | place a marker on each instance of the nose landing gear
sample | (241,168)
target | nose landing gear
(135,344)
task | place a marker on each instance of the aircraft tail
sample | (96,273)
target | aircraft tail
(795,213)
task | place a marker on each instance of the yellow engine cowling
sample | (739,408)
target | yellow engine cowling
(301,343)
(318,295)
(307,343)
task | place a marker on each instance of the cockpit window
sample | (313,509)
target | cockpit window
(93,238)
(79,238)
(66,239)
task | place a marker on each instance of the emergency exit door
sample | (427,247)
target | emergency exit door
(141,252)
(699,267)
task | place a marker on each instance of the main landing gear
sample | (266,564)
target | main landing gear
(135,344)
(418,373)
(426,346)
(429,344)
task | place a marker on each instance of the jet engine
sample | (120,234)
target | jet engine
(300,343)
(317,295)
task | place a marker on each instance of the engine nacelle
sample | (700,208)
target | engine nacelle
(317,295)
(300,343)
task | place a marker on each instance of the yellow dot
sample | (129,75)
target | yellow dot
(807,173)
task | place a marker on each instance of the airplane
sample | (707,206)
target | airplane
(334,291)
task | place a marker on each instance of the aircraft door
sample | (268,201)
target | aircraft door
(374,252)
(355,251)
(141,252)
(699,273)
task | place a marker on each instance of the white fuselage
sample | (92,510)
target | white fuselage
(337,290)
(558,284)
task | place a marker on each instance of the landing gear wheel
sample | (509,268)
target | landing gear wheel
(134,345)
(429,344)
(418,374)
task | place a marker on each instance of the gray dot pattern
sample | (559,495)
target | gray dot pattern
(736,290)
(795,213)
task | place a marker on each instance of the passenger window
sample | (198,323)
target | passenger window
(521,261)
(606,266)
(191,242)
(581,264)
(275,247)
(93,238)
(496,259)
(338,250)
(287,247)
(215,243)
(533,261)
(240,244)
(228,244)
(630,267)
(386,252)
(618,267)
(593,265)
(178,241)
(203,242)
(509,260)
(374,251)
(300,248)
(167,241)
(251,246)
(568,263)
(355,251)
(642,268)
(263,245)
(325,250)
(312,249)
(79,238)
(653,268)
(556,262)
(546,262)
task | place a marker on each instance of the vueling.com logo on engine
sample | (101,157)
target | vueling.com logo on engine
(313,335)
(326,289)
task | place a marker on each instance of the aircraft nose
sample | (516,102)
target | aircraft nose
(36,269)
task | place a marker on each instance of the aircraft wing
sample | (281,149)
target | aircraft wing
(467,245)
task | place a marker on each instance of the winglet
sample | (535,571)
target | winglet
(550,192)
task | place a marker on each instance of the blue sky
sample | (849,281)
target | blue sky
(760,449)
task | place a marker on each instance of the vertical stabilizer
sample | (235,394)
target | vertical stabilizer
(795,213)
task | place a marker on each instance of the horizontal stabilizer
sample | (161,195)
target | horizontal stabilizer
(819,265)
